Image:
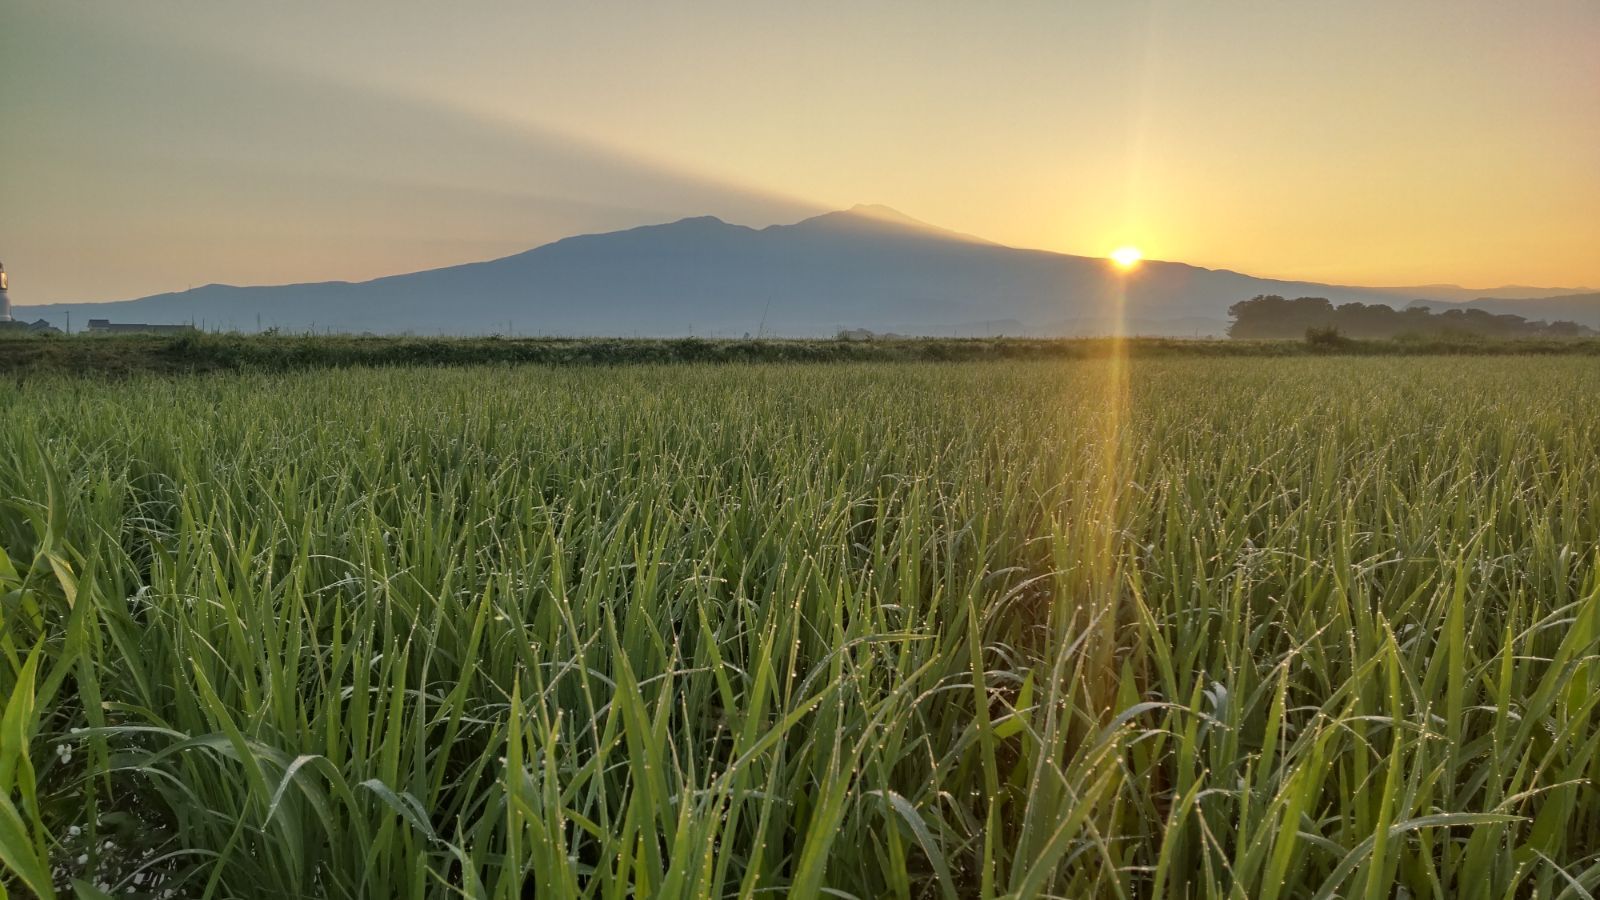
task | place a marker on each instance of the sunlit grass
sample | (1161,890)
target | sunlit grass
(1255,628)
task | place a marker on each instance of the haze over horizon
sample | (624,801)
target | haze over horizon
(157,146)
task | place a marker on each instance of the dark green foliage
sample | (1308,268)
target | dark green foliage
(122,355)
(1269,316)
(1326,337)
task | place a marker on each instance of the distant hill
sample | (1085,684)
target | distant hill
(867,267)
(1454,293)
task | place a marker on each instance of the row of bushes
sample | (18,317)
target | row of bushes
(125,354)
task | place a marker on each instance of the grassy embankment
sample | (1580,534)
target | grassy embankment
(1265,628)
(128,354)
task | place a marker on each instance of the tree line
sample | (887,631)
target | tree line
(1271,316)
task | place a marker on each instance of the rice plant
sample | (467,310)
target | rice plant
(1268,628)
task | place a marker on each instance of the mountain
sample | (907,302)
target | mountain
(1455,293)
(867,267)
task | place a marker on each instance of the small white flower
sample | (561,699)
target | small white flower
(74,831)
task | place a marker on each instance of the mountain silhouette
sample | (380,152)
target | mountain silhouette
(866,267)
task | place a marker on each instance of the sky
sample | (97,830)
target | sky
(158,145)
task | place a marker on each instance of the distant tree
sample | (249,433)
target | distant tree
(1271,316)
(1325,337)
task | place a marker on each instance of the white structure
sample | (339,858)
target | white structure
(5,299)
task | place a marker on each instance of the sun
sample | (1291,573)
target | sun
(1126,257)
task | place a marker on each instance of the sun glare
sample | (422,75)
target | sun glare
(1126,257)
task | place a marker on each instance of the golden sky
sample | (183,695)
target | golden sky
(156,145)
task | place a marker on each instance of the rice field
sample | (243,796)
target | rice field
(1268,628)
